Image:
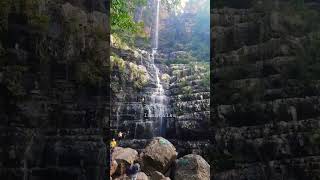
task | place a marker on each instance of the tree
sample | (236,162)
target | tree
(122,13)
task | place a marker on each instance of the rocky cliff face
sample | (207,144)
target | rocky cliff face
(54,89)
(185,83)
(266,115)
(191,102)
(186,122)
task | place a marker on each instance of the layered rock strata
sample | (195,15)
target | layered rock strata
(266,116)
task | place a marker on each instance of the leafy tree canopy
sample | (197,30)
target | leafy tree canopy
(122,13)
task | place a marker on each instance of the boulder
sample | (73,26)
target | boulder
(113,167)
(142,176)
(123,157)
(158,155)
(158,176)
(124,154)
(192,167)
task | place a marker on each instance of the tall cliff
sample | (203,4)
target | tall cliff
(265,71)
(185,80)
(54,89)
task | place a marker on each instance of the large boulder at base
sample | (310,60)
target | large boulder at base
(192,167)
(158,176)
(142,176)
(113,167)
(158,155)
(123,157)
(125,154)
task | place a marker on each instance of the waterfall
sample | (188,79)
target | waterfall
(118,116)
(157,107)
(156,36)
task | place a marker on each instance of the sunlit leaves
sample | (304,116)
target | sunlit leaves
(122,15)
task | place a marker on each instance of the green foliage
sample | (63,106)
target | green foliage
(165,77)
(123,24)
(187,90)
(138,76)
(178,61)
(184,58)
(206,80)
(117,63)
(122,16)
(183,82)
(129,73)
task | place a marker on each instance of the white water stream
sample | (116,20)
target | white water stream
(158,105)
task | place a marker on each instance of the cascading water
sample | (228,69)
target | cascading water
(157,108)
(156,35)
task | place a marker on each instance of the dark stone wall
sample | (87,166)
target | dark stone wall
(265,99)
(54,90)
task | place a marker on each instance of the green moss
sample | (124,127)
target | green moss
(183,82)
(138,76)
(118,43)
(117,63)
(205,81)
(129,72)
(165,77)
(187,90)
